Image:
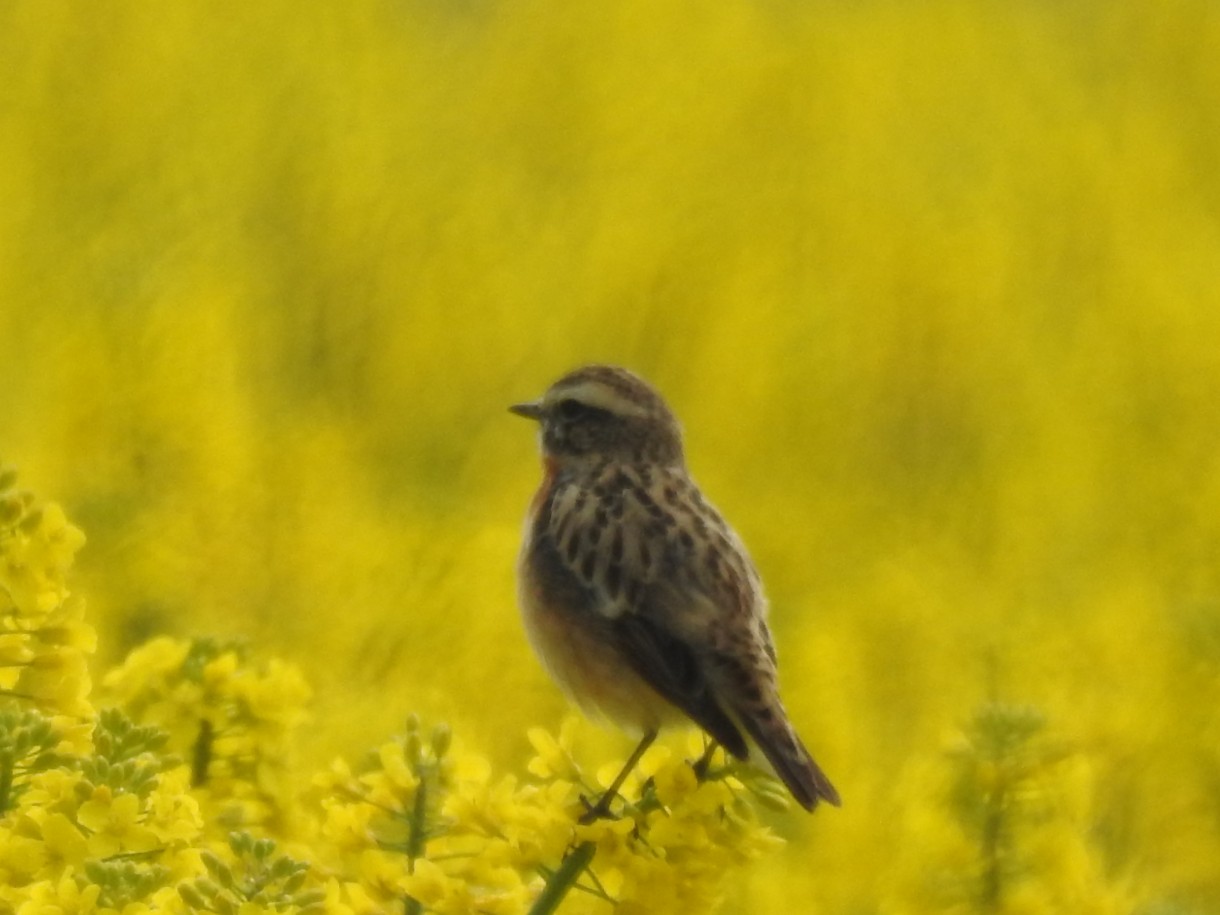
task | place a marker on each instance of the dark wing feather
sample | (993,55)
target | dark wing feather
(670,667)
(654,583)
(792,763)
(756,708)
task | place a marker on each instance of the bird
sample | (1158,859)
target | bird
(637,596)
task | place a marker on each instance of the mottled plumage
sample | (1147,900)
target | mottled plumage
(636,594)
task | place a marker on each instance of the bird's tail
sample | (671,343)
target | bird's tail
(771,732)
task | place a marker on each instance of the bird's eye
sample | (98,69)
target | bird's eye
(570,409)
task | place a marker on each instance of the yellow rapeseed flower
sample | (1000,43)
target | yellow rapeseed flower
(114,824)
(173,813)
(25,857)
(553,753)
(65,894)
(64,842)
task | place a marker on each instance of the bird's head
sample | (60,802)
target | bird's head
(602,412)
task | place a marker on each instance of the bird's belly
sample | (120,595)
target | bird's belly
(589,669)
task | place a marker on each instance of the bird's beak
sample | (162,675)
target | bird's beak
(528,410)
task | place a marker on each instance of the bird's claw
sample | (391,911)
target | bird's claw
(595,812)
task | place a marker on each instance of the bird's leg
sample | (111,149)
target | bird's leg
(701,764)
(602,807)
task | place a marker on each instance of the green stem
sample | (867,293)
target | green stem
(417,839)
(576,861)
(570,869)
(993,829)
(6,782)
(201,753)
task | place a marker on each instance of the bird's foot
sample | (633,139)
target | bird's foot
(702,764)
(599,811)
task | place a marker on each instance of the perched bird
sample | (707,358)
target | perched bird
(637,596)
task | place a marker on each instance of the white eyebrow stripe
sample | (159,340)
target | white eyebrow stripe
(599,395)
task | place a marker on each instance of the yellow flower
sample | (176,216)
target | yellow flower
(64,896)
(114,824)
(51,788)
(337,777)
(498,891)
(14,650)
(394,765)
(63,840)
(554,754)
(146,664)
(674,783)
(76,735)
(668,831)
(276,696)
(382,871)
(22,858)
(57,678)
(468,768)
(35,558)
(351,898)
(218,670)
(611,835)
(173,813)
(347,825)
(709,798)
(69,629)
(429,884)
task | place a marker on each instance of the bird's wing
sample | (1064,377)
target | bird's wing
(668,581)
(671,586)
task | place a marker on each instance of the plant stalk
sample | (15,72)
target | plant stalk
(562,880)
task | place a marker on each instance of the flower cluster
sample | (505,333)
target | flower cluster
(1007,830)
(232,719)
(177,797)
(686,819)
(249,877)
(110,829)
(425,821)
(44,640)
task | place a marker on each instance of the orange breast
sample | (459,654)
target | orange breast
(550,470)
(574,649)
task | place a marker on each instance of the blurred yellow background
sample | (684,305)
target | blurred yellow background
(935,289)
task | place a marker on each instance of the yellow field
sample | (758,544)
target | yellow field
(935,289)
